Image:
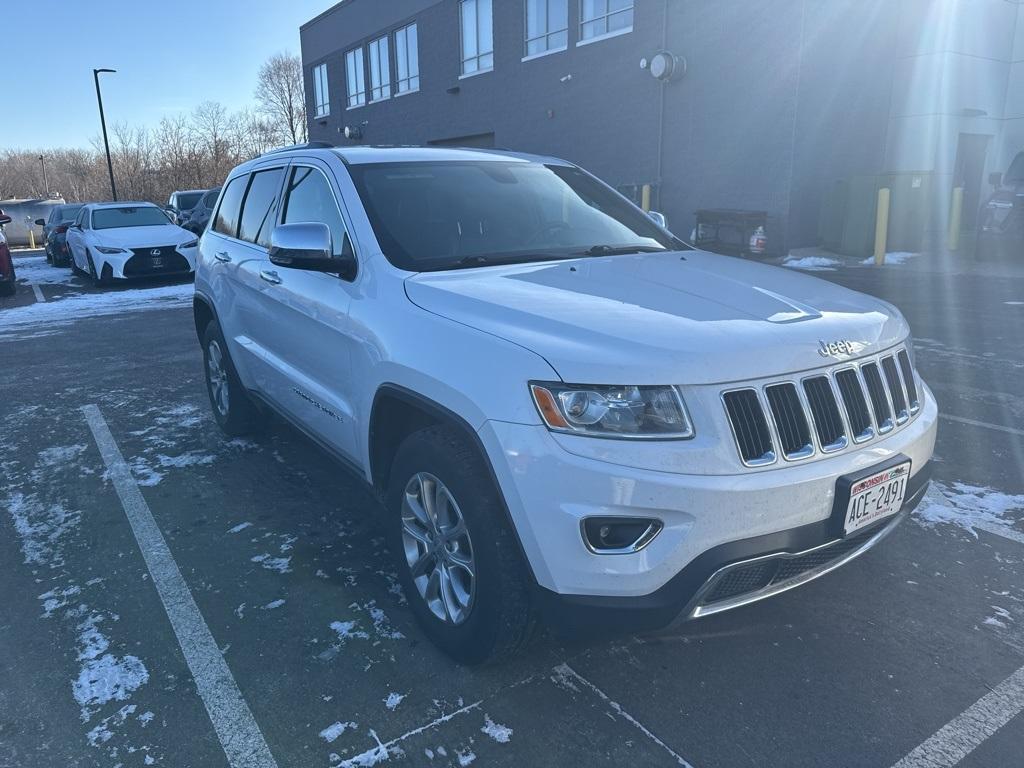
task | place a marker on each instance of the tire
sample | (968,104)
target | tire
(493,618)
(233,409)
(92,272)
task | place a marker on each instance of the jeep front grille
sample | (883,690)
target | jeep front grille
(822,413)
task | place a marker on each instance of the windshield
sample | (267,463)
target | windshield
(69,212)
(187,200)
(133,216)
(433,216)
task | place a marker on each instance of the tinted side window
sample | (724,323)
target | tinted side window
(309,198)
(230,206)
(259,212)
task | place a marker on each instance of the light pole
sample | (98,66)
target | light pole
(46,184)
(103,123)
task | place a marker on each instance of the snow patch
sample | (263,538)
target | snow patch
(189,459)
(465,757)
(968,506)
(811,263)
(500,733)
(60,455)
(272,605)
(332,732)
(896,257)
(347,630)
(240,527)
(40,527)
(374,756)
(279,564)
(108,678)
(393,700)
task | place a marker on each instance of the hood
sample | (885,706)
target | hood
(143,237)
(672,318)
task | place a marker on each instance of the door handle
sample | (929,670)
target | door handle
(222,256)
(270,276)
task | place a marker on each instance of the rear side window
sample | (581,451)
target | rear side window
(259,211)
(226,222)
(309,199)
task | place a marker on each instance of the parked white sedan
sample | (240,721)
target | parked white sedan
(118,241)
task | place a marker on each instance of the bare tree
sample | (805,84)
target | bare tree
(281,96)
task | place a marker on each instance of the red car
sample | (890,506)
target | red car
(7,286)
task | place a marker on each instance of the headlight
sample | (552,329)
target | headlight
(613,411)
(189,244)
(104,249)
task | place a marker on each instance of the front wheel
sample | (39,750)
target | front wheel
(458,559)
(233,409)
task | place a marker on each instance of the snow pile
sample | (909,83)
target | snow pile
(18,320)
(35,271)
(896,257)
(500,733)
(811,263)
(969,507)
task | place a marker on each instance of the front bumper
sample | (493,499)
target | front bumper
(132,266)
(711,521)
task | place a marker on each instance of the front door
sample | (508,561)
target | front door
(306,329)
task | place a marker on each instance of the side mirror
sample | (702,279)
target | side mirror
(40,222)
(4,219)
(658,218)
(309,246)
(995,179)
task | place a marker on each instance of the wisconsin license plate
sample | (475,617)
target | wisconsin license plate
(876,497)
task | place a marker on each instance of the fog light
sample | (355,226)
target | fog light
(618,535)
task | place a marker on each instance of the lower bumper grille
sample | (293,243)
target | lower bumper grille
(774,573)
(155,261)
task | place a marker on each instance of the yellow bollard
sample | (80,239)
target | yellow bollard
(31,237)
(645,198)
(956,212)
(881,225)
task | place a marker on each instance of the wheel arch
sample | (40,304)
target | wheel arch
(398,412)
(202,313)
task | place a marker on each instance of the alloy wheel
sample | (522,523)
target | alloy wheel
(217,375)
(438,548)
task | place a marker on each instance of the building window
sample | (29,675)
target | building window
(605,17)
(477,36)
(547,26)
(407,59)
(320,93)
(380,70)
(356,78)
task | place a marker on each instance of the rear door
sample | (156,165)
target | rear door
(74,239)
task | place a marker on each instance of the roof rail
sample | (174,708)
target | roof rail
(307,145)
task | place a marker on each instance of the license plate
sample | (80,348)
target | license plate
(876,497)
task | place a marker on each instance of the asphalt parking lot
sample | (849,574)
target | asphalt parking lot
(912,655)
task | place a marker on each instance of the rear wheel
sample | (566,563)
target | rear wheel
(233,409)
(457,557)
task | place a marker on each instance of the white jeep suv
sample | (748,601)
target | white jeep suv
(567,412)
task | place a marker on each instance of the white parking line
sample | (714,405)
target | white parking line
(38,292)
(961,735)
(984,424)
(239,734)
(566,670)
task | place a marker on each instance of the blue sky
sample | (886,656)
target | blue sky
(170,56)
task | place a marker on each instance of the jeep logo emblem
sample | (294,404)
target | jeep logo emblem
(840,348)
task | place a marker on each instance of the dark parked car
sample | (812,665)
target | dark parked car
(200,216)
(1001,232)
(7,278)
(181,203)
(55,230)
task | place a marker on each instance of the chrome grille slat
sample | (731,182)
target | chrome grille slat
(897,396)
(828,422)
(856,405)
(824,412)
(790,421)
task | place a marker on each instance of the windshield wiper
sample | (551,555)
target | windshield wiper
(621,250)
(479,260)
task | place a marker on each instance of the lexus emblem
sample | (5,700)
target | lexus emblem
(155,252)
